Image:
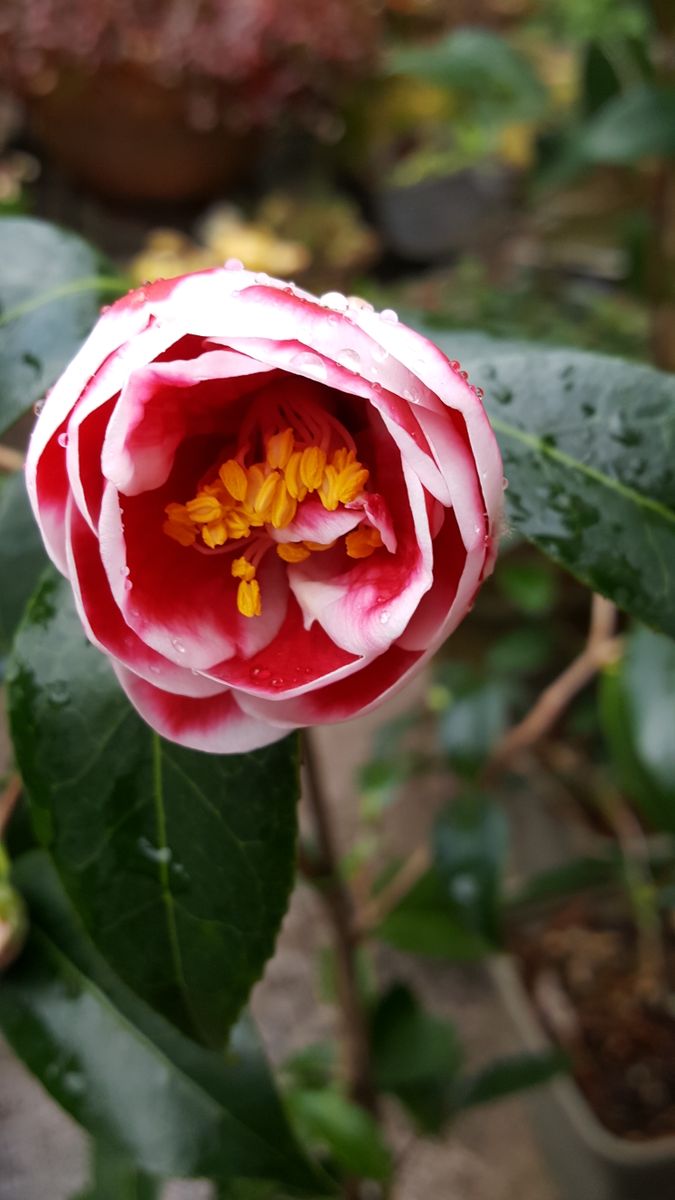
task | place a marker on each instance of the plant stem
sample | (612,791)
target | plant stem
(339,910)
(601,648)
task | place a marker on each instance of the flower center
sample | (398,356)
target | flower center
(238,504)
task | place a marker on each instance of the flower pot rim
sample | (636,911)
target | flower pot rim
(607,1145)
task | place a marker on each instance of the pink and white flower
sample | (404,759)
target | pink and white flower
(271,508)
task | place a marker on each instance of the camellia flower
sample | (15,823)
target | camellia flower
(271,508)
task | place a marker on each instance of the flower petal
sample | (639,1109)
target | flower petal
(215,724)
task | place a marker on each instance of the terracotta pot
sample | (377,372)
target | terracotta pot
(588,1162)
(124,135)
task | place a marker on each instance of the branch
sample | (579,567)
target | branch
(326,877)
(601,648)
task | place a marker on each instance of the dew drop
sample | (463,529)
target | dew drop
(334,300)
(154,854)
(464,374)
(125,571)
(155,670)
(255,671)
(105,308)
(388,314)
(310,364)
(277,682)
(478,391)
(456,366)
(384,617)
(263,674)
(234,264)
(62,439)
(505,483)
(128,585)
(58,693)
(178,645)
(380,354)
(263,277)
(38,407)
(350,359)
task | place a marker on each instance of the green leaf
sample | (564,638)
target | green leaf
(477,62)
(600,81)
(510,1075)
(416,1056)
(568,879)
(586,442)
(521,651)
(52,288)
(180,864)
(476,715)
(530,586)
(113,1177)
(637,705)
(125,1073)
(470,841)
(22,556)
(327,1120)
(638,124)
(427,921)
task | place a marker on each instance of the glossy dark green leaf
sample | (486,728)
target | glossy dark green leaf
(125,1073)
(416,1057)
(470,841)
(179,863)
(114,1177)
(587,447)
(327,1120)
(507,1076)
(600,81)
(478,62)
(637,704)
(51,290)
(638,124)
(427,921)
(22,556)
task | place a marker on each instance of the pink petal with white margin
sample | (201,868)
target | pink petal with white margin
(161,403)
(313,523)
(432,367)
(366,607)
(215,724)
(350,697)
(182,602)
(105,625)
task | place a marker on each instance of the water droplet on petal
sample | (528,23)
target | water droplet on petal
(128,585)
(389,314)
(310,364)
(263,277)
(505,484)
(277,682)
(380,354)
(234,264)
(384,617)
(38,407)
(334,300)
(125,571)
(255,671)
(178,645)
(62,439)
(350,359)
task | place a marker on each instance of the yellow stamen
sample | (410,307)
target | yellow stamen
(249,601)
(234,478)
(362,542)
(238,525)
(296,487)
(292,552)
(204,508)
(264,500)
(179,525)
(280,448)
(243,569)
(351,482)
(329,492)
(215,533)
(283,507)
(312,467)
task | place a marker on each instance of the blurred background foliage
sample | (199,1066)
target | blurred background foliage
(501,165)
